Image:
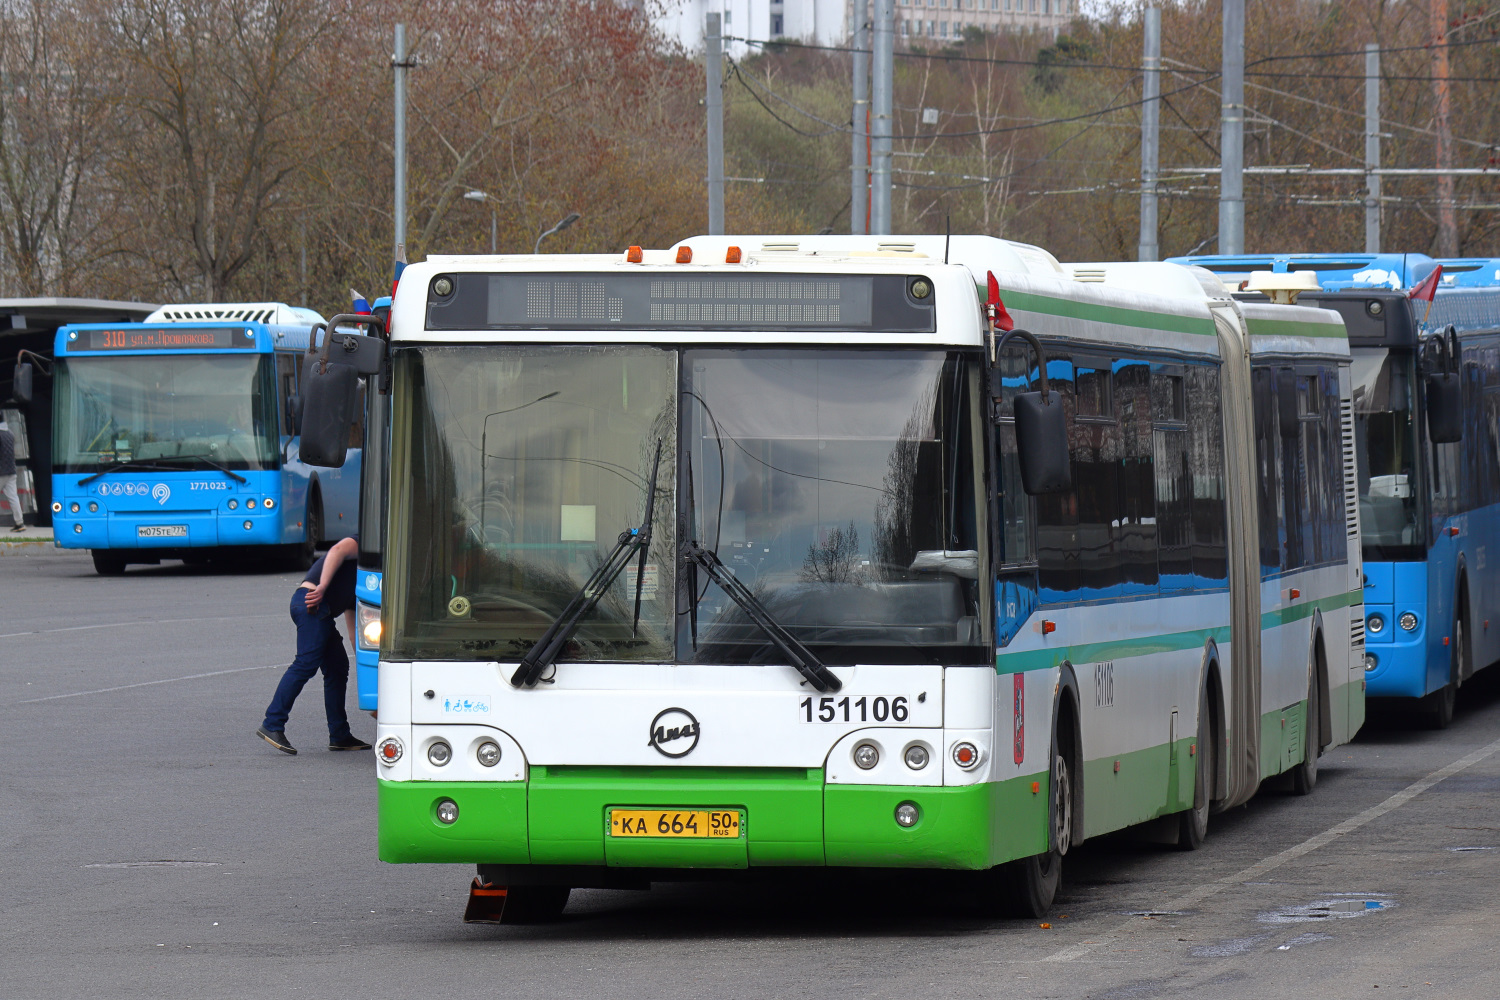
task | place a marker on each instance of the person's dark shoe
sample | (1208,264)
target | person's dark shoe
(348,743)
(19,527)
(277,739)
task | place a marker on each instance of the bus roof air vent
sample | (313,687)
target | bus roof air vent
(274,313)
(897,247)
(779,247)
(1096,275)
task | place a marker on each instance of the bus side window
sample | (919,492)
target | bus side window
(1174,479)
(1268,468)
(1206,464)
(1135,536)
(286,391)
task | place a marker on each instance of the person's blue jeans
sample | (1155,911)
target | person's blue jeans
(319,647)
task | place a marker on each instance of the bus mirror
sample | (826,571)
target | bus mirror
(363,354)
(1445,422)
(328,397)
(1042,443)
(20,386)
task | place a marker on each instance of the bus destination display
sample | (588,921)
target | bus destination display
(653,301)
(162,339)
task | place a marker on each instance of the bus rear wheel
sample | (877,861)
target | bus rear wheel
(107,563)
(1192,825)
(1305,774)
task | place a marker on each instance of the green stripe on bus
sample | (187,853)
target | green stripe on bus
(1095,313)
(1293,328)
(1120,649)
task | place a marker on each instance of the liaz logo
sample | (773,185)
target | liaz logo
(674,732)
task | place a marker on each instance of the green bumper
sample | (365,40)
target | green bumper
(790,817)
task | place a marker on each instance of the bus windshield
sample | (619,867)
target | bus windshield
(840,487)
(173,409)
(1390,494)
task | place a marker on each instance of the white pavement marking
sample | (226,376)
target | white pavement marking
(1195,896)
(167,680)
(164,621)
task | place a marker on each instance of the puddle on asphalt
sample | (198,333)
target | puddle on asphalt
(1227,949)
(1461,849)
(1341,905)
(155,864)
(1302,939)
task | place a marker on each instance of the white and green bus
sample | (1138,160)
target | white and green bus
(719,558)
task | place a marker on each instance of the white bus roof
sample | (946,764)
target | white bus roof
(270,313)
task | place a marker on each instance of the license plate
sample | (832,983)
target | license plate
(161,531)
(700,823)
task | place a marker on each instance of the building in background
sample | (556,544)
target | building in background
(827,22)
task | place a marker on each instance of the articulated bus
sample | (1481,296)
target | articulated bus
(176,438)
(1430,508)
(719,557)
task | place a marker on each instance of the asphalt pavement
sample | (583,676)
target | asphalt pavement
(153,847)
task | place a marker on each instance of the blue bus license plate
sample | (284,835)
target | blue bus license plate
(161,531)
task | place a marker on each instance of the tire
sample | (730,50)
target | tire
(1031,883)
(534,904)
(1305,774)
(107,563)
(1438,706)
(1192,824)
(305,552)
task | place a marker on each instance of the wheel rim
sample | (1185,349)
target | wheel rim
(1062,806)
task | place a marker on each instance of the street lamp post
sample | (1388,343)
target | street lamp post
(485,196)
(566,221)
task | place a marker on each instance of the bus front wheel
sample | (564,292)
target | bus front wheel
(1033,881)
(1439,705)
(305,552)
(107,563)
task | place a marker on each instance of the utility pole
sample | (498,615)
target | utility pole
(882,66)
(1150,131)
(714,66)
(400,65)
(1447,214)
(859,167)
(1232,132)
(1372,147)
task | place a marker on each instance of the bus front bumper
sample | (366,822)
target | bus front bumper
(789,817)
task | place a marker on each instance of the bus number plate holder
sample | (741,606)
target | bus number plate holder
(703,824)
(161,531)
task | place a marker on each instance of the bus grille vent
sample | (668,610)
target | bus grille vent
(1357,633)
(1096,275)
(1351,469)
(897,247)
(254,314)
(779,247)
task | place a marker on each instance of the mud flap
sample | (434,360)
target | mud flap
(486,903)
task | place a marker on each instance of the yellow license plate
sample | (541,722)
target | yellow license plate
(706,823)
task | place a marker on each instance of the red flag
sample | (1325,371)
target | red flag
(1427,290)
(996,308)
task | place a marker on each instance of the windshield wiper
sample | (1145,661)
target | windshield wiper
(121,467)
(550,646)
(807,664)
(206,461)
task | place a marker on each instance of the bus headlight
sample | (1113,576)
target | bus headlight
(439,753)
(488,753)
(74,506)
(916,756)
(234,505)
(866,756)
(1375,624)
(250,503)
(1371,662)
(93,507)
(447,812)
(369,626)
(1407,621)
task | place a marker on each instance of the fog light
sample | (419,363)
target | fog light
(234,505)
(866,756)
(77,529)
(73,506)
(916,756)
(907,814)
(488,753)
(1371,662)
(57,506)
(1375,623)
(249,525)
(269,503)
(93,507)
(965,755)
(389,751)
(1407,621)
(447,811)
(439,753)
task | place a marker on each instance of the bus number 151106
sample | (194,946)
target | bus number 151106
(861,709)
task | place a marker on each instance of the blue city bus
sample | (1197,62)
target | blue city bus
(372,512)
(1430,512)
(176,438)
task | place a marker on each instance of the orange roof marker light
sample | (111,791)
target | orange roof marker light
(732,255)
(684,255)
(633,255)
